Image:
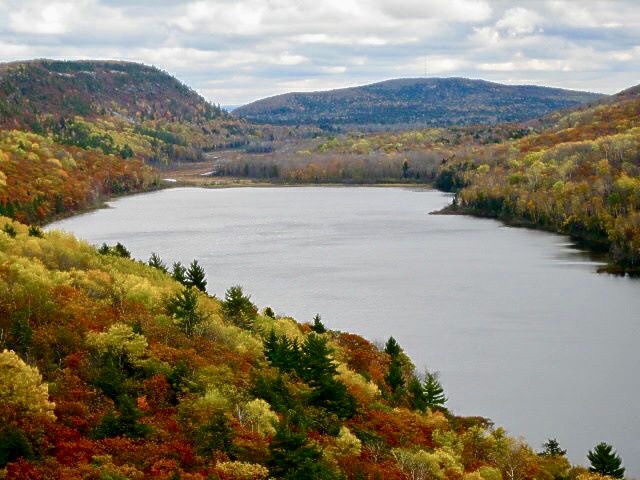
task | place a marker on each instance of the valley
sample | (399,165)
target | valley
(174,334)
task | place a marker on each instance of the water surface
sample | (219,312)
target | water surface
(517,321)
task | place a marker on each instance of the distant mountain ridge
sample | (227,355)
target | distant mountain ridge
(411,102)
(35,90)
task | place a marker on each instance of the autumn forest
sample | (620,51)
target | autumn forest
(113,367)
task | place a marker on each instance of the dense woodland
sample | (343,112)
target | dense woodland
(580,175)
(75,133)
(113,368)
(413,103)
(117,369)
(576,172)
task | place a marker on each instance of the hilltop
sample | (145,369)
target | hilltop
(412,102)
(73,133)
(573,171)
(122,108)
(35,91)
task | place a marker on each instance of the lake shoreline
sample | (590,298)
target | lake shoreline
(362,256)
(596,246)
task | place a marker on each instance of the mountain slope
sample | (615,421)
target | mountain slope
(112,369)
(579,175)
(122,108)
(33,91)
(434,102)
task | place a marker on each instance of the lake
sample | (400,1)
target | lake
(519,324)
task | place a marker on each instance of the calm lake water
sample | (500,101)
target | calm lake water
(517,321)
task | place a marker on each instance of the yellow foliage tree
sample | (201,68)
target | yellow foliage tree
(242,470)
(121,342)
(22,389)
(257,414)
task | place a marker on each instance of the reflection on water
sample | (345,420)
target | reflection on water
(521,327)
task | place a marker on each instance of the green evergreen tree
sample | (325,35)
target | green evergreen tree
(268,312)
(216,434)
(394,377)
(9,230)
(125,424)
(156,262)
(196,277)
(433,391)
(316,366)
(318,369)
(405,169)
(392,348)
(126,151)
(35,231)
(13,445)
(318,326)
(179,273)
(237,307)
(104,249)
(20,335)
(605,461)
(184,308)
(293,458)
(551,448)
(275,391)
(417,396)
(121,251)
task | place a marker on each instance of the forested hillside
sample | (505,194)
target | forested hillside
(413,102)
(580,175)
(121,108)
(575,172)
(115,369)
(75,133)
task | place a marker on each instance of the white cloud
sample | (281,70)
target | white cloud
(334,70)
(533,64)
(253,48)
(451,10)
(519,21)
(41,18)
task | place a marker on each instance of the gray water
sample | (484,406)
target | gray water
(517,321)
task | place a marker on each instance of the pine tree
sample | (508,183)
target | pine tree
(156,262)
(179,273)
(13,445)
(552,449)
(216,434)
(184,308)
(9,230)
(293,458)
(271,344)
(317,366)
(417,396)
(318,326)
(237,307)
(125,424)
(196,277)
(20,335)
(394,377)
(605,461)
(121,251)
(318,369)
(392,348)
(35,231)
(433,391)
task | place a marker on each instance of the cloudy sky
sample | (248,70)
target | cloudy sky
(235,51)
